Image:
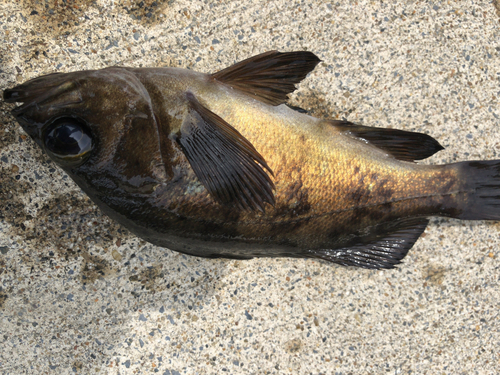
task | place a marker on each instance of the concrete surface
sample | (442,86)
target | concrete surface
(78,294)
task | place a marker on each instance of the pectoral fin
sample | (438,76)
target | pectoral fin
(225,162)
(382,246)
(403,145)
(270,76)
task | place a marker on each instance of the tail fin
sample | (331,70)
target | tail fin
(482,180)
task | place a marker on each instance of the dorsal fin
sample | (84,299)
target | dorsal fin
(270,76)
(403,145)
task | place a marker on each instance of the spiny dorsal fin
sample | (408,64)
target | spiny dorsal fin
(270,76)
(224,161)
(403,145)
(382,247)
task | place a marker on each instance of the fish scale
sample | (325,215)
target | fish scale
(336,171)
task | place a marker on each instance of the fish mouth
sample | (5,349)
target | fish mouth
(44,98)
(51,89)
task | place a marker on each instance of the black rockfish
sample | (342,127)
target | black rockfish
(217,165)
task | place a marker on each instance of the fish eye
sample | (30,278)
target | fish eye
(68,141)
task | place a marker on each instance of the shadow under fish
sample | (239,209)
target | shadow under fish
(217,165)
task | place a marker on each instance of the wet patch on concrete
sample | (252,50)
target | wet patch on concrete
(94,268)
(148,278)
(3,297)
(67,224)
(434,274)
(315,104)
(293,346)
(13,209)
(61,221)
(496,3)
(59,17)
(147,11)
(8,130)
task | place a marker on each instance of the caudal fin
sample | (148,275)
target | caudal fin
(482,180)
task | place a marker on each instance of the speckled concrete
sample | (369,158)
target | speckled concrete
(79,294)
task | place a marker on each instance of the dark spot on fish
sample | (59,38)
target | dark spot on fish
(450,183)
(384,191)
(287,242)
(294,201)
(302,138)
(214,230)
(380,212)
(448,205)
(355,196)
(358,193)
(336,234)
(356,170)
(303,207)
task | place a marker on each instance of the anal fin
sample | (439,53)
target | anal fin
(380,247)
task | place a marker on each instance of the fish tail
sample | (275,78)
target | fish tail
(482,187)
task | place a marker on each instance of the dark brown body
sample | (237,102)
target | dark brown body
(333,191)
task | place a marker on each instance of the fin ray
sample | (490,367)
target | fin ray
(270,76)
(403,145)
(482,181)
(225,162)
(383,247)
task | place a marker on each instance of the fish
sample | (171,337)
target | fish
(220,165)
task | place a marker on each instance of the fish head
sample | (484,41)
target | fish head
(99,126)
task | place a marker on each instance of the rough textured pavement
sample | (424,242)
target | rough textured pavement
(79,294)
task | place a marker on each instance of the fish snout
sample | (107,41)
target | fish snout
(46,115)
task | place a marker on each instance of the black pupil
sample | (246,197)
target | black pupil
(68,138)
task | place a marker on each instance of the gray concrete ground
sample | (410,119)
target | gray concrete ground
(79,294)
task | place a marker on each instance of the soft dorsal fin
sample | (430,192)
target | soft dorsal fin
(379,247)
(403,145)
(270,76)
(224,161)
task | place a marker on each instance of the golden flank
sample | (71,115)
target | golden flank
(218,165)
